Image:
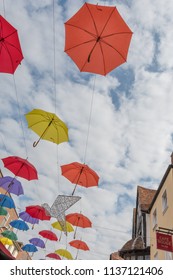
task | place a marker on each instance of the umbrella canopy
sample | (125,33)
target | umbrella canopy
(38,212)
(19,224)
(47,125)
(20,167)
(97,39)
(11,185)
(6,241)
(78,220)
(9,234)
(57,225)
(53,256)
(3,211)
(64,253)
(6,201)
(27,218)
(11,53)
(29,248)
(80,174)
(37,242)
(48,234)
(79,244)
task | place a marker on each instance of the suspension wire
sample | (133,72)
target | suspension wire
(4,8)
(89,121)
(20,118)
(54,82)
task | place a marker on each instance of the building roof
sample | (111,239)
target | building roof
(115,256)
(145,197)
(133,244)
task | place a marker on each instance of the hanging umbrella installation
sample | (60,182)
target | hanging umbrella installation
(64,253)
(38,212)
(48,126)
(19,225)
(27,218)
(68,226)
(80,174)
(80,245)
(6,201)
(97,39)
(78,220)
(11,185)
(11,53)
(30,248)
(38,242)
(48,234)
(6,241)
(9,234)
(20,167)
(53,256)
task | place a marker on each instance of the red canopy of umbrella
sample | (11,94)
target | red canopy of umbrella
(48,234)
(20,167)
(38,212)
(53,256)
(80,174)
(97,38)
(11,53)
(79,244)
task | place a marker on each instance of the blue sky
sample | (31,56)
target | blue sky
(130,134)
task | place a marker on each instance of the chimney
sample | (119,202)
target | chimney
(172,158)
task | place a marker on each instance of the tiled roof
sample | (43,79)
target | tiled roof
(145,197)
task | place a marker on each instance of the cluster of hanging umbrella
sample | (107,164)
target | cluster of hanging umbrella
(97,39)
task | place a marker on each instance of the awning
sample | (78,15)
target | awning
(5,254)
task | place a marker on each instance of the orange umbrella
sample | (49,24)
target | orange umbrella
(78,220)
(80,245)
(80,174)
(97,38)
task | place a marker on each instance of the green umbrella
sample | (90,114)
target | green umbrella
(3,211)
(9,234)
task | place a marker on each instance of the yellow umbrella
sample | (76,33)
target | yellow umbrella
(47,125)
(64,253)
(69,227)
(6,241)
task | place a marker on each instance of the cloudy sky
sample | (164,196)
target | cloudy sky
(120,124)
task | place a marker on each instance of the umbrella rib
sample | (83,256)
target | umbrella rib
(113,49)
(5,47)
(83,29)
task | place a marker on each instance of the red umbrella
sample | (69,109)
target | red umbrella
(48,234)
(97,38)
(38,212)
(80,174)
(78,220)
(53,256)
(10,49)
(20,167)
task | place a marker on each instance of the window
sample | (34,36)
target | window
(4,221)
(154,218)
(164,201)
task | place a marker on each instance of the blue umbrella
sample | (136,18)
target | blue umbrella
(29,248)
(11,185)
(6,201)
(19,224)
(37,242)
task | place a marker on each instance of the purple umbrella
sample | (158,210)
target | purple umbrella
(37,242)
(11,185)
(27,218)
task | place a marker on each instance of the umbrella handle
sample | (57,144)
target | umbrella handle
(36,142)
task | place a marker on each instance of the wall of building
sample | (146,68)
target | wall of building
(164,218)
